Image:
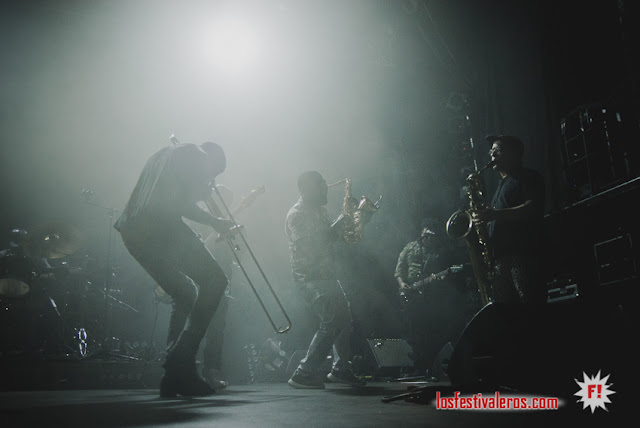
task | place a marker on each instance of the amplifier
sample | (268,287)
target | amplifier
(596,155)
(615,259)
(391,356)
(563,294)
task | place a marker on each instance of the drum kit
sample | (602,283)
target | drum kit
(50,307)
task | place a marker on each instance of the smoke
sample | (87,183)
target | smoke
(96,87)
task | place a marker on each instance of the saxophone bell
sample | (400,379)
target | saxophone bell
(355,213)
(459,224)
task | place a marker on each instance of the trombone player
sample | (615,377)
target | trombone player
(172,181)
(311,237)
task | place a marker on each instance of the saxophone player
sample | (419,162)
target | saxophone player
(515,221)
(311,237)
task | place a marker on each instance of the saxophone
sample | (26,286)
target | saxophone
(355,213)
(461,225)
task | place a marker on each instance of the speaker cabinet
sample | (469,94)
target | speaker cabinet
(542,349)
(441,363)
(390,357)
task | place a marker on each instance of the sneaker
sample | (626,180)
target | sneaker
(346,377)
(213,378)
(304,381)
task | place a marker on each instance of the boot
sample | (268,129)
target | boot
(180,373)
(214,378)
(173,385)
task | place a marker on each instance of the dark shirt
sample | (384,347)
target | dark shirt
(522,236)
(310,243)
(172,181)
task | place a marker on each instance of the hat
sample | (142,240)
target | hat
(432,225)
(510,141)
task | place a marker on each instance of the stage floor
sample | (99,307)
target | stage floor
(269,405)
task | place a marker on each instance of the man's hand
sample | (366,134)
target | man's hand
(222,225)
(337,228)
(403,285)
(521,212)
(484,216)
(338,224)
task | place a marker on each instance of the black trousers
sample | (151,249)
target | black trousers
(214,339)
(423,331)
(178,261)
(518,279)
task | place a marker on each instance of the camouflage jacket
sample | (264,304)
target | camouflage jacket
(415,262)
(310,244)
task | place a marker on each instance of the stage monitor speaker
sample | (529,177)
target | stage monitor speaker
(441,363)
(542,349)
(391,356)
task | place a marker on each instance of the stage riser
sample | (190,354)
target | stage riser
(79,375)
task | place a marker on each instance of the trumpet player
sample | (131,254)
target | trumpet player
(172,181)
(515,222)
(311,237)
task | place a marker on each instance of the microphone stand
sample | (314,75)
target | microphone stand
(87,197)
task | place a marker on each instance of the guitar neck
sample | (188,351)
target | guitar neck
(418,285)
(239,210)
(428,280)
(247,201)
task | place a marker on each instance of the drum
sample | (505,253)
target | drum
(16,274)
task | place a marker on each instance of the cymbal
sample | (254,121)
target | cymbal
(54,240)
(13,287)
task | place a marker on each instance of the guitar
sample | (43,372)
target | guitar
(244,204)
(249,199)
(418,286)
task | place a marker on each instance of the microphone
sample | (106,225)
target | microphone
(489,165)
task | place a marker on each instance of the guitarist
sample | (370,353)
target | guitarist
(419,260)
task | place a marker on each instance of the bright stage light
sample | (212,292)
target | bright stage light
(232,46)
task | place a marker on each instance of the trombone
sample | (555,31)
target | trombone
(214,210)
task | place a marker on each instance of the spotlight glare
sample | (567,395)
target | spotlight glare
(232,46)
